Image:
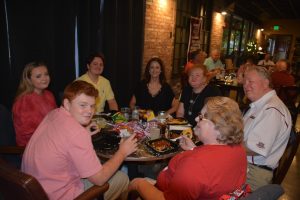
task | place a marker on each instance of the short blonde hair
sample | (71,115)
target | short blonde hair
(227,117)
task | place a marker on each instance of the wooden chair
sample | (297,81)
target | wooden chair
(8,149)
(287,157)
(15,184)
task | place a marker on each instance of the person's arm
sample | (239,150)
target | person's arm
(174,107)
(180,110)
(249,152)
(127,147)
(132,102)
(112,104)
(145,189)
(26,118)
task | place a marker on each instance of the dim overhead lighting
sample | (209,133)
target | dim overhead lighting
(224,13)
(259,48)
(262,29)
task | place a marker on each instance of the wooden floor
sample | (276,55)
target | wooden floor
(291,182)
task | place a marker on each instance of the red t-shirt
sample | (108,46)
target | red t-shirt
(282,78)
(28,112)
(207,172)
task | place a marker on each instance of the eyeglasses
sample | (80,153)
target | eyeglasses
(201,117)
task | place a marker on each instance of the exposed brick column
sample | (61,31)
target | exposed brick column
(216,31)
(159,33)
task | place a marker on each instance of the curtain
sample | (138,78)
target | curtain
(123,45)
(45,30)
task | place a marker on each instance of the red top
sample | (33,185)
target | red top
(207,172)
(28,112)
(282,78)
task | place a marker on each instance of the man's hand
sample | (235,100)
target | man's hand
(93,128)
(128,146)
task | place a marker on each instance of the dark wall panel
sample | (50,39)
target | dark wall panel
(123,45)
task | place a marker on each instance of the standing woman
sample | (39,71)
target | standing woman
(33,101)
(95,65)
(154,92)
(193,96)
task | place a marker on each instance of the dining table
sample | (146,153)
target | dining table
(227,86)
(143,156)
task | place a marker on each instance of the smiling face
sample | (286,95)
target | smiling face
(196,78)
(255,86)
(39,78)
(82,108)
(96,66)
(154,69)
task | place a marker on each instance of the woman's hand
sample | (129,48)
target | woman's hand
(186,143)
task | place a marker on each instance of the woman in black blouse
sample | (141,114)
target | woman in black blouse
(193,96)
(153,92)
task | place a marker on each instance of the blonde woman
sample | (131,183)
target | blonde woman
(208,171)
(33,101)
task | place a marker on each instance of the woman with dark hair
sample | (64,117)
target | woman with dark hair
(95,66)
(33,101)
(153,92)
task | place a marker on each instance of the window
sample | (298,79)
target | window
(186,9)
(236,34)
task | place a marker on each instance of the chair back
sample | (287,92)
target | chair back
(287,157)
(15,184)
(8,138)
(267,192)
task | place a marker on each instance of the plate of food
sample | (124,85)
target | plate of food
(106,141)
(173,134)
(161,146)
(177,121)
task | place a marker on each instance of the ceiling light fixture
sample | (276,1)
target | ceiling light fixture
(224,12)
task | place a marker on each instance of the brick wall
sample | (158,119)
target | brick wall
(216,31)
(159,32)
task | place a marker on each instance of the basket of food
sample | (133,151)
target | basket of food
(161,146)
(177,121)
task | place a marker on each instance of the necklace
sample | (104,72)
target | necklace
(192,102)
